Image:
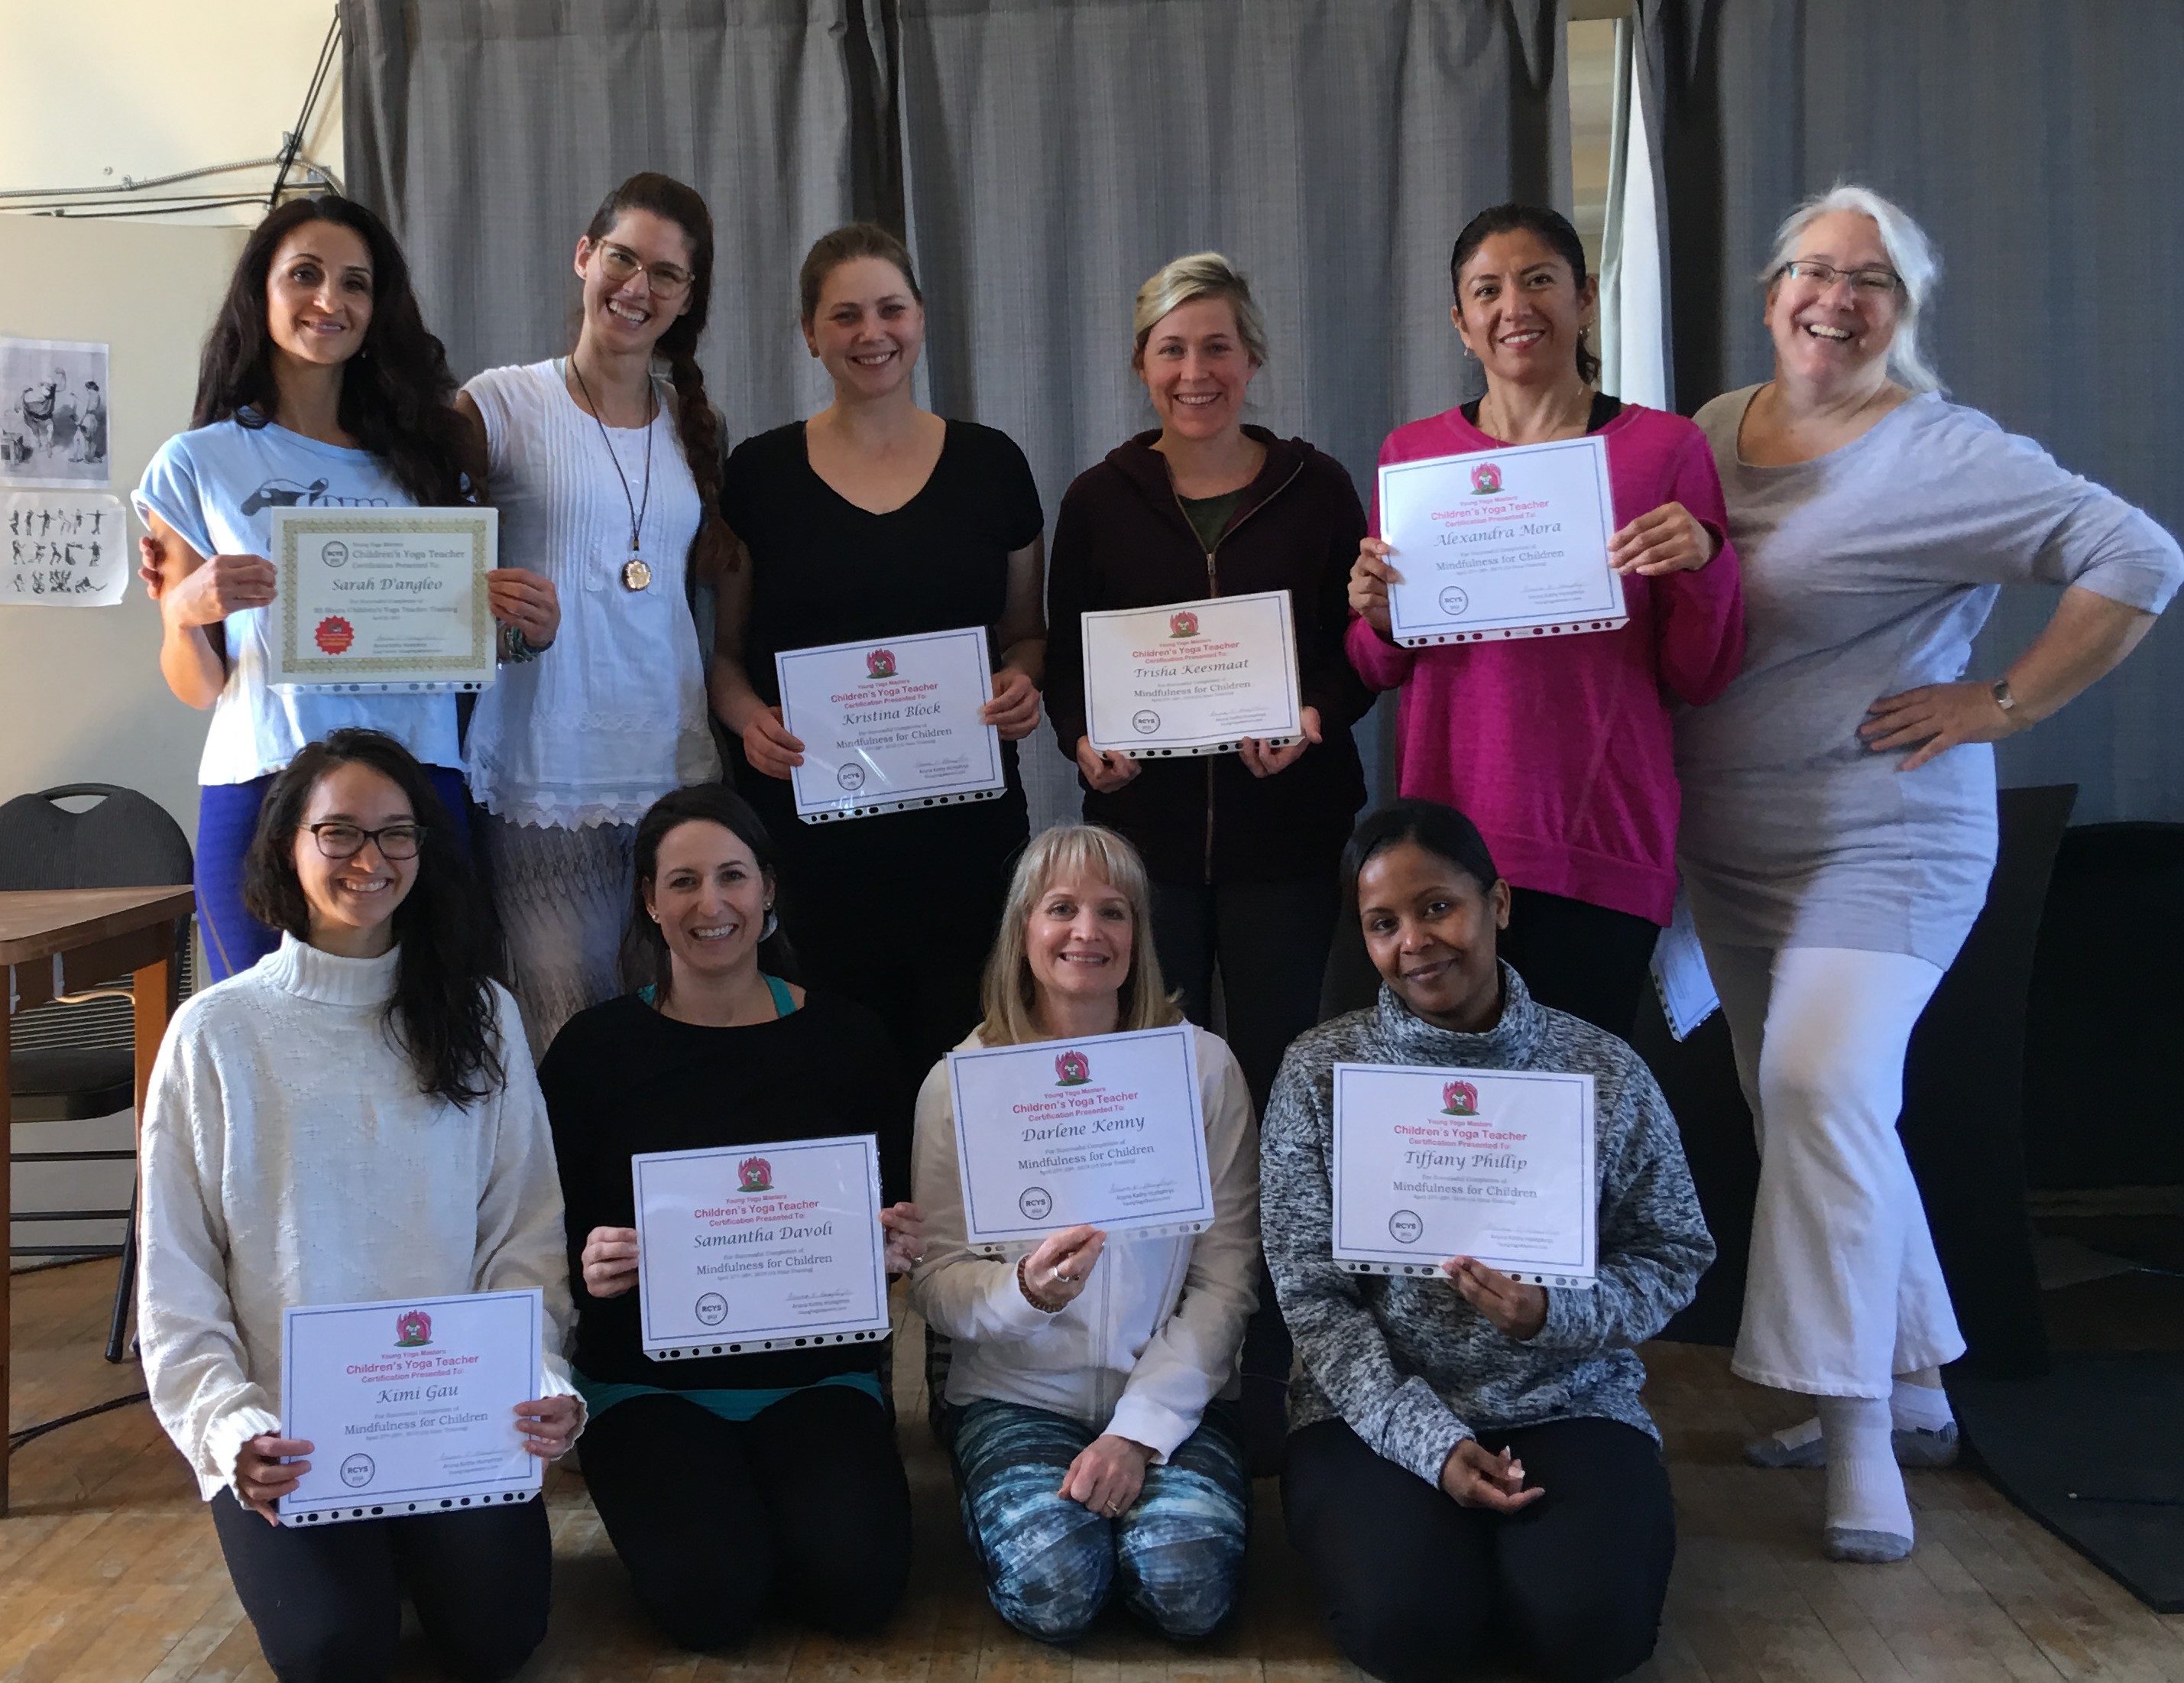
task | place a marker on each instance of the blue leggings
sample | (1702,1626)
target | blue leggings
(1177,1555)
(227,819)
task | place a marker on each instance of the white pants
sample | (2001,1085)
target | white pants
(1844,1292)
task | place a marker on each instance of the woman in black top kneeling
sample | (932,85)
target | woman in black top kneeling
(726,1483)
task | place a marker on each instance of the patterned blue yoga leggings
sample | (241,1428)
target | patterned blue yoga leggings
(1176,1556)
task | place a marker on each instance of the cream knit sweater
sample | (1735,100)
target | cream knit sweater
(289,1157)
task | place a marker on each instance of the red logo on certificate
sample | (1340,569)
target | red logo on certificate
(1485,480)
(1183,623)
(879,664)
(1073,1069)
(334,634)
(412,1328)
(755,1174)
(1459,1098)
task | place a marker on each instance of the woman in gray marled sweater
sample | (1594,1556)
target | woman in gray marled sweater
(1467,1446)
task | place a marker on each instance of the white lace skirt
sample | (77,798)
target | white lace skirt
(563,898)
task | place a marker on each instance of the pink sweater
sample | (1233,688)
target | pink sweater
(1560,750)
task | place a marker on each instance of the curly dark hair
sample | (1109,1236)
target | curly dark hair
(397,395)
(1551,226)
(441,1013)
(644,957)
(711,551)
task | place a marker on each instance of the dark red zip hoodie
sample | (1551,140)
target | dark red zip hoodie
(1123,540)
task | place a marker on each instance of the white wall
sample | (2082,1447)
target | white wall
(101,89)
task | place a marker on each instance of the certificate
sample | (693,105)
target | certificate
(890,726)
(383,598)
(410,1404)
(1106,1131)
(1503,542)
(758,1247)
(1192,678)
(1494,1164)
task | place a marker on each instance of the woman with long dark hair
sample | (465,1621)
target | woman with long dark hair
(725,1480)
(1558,747)
(319,386)
(878,519)
(607,478)
(370,1054)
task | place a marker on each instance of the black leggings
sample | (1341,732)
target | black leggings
(1587,960)
(806,1504)
(326,1602)
(1413,1583)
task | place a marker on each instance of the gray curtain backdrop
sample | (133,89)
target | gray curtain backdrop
(1054,153)
(2037,143)
(486,132)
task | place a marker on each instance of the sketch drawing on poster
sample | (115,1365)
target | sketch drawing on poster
(54,424)
(63,549)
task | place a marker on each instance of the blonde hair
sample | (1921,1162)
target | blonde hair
(1010,996)
(1202,275)
(1912,253)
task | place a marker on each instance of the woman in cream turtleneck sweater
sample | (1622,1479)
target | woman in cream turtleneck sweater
(352,1118)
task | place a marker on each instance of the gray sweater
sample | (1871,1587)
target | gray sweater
(1407,1362)
(1868,571)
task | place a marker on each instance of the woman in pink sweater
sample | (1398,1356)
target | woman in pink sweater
(1560,748)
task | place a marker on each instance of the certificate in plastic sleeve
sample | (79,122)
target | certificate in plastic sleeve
(1501,544)
(760,1247)
(1105,1130)
(383,598)
(890,726)
(1494,1164)
(410,1404)
(1192,678)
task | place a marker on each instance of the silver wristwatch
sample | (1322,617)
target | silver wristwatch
(2002,698)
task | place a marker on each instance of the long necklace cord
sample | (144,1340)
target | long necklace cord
(637,508)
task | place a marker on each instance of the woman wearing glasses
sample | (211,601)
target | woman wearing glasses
(370,1053)
(877,519)
(1839,805)
(607,479)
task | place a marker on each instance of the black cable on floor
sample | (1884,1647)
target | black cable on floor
(17,1440)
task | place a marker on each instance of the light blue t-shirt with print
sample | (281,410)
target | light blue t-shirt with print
(217,487)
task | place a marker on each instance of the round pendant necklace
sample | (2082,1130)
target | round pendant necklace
(635,571)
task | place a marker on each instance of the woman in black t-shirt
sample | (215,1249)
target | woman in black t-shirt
(876,519)
(726,1481)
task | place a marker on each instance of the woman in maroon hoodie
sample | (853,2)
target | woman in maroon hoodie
(1242,848)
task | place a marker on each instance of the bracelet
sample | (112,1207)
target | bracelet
(1024,1284)
(515,647)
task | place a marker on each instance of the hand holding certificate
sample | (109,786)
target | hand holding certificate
(756,1248)
(1505,543)
(1191,678)
(409,1406)
(383,598)
(1495,1165)
(888,726)
(1104,1132)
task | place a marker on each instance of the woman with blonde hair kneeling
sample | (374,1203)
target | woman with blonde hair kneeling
(1095,1444)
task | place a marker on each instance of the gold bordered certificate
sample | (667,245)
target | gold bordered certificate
(1105,1130)
(410,1404)
(891,725)
(383,598)
(1501,543)
(1494,1164)
(760,1247)
(1192,678)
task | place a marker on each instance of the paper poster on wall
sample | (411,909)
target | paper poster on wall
(54,422)
(64,549)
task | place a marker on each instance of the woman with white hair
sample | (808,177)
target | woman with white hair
(1839,805)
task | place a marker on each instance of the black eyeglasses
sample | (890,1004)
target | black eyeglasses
(1825,274)
(621,262)
(338,840)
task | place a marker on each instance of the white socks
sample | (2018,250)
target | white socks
(1869,1517)
(1918,1407)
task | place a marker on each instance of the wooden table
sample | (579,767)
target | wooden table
(63,941)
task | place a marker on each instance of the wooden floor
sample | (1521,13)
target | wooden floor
(108,1569)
